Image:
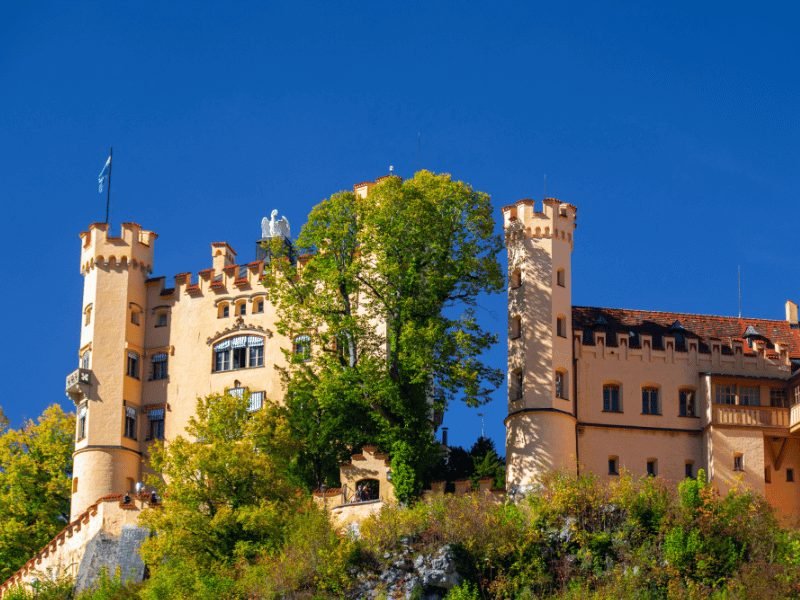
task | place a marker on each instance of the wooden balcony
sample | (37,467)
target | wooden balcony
(750,416)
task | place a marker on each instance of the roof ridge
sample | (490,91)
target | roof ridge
(689,314)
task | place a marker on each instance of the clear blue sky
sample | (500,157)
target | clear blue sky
(673,127)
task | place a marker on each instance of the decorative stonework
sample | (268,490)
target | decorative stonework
(238,325)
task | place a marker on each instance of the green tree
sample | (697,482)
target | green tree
(226,496)
(3,421)
(35,485)
(386,290)
(487,463)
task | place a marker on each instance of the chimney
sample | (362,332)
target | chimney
(791,312)
(444,436)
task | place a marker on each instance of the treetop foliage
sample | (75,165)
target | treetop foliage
(35,485)
(385,289)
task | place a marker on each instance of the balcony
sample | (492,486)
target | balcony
(78,384)
(750,416)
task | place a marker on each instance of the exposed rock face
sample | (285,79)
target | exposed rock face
(111,552)
(427,576)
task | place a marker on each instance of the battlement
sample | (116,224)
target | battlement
(133,247)
(555,220)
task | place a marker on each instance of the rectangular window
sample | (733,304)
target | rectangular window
(159,366)
(561,385)
(156,429)
(130,422)
(652,467)
(222,360)
(86,358)
(796,394)
(226,311)
(688,469)
(133,365)
(561,327)
(777,397)
(239,358)
(259,306)
(161,319)
(257,356)
(242,309)
(650,401)
(725,394)
(613,465)
(517,385)
(686,407)
(790,475)
(749,395)
(560,277)
(738,462)
(135,317)
(74,485)
(83,414)
(256,401)
(611,401)
(767,475)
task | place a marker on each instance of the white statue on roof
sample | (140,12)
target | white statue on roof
(274,227)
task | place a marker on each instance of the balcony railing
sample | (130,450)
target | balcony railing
(750,416)
(78,383)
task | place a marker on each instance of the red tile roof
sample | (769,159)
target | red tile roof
(704,327)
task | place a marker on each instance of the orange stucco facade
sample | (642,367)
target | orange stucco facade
(603,390)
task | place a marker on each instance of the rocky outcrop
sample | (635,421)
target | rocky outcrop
(407,574)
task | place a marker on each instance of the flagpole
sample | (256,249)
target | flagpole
(108,190)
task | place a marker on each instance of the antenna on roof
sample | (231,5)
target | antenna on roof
(739,278)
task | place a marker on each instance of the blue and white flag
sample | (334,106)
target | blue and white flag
(104,175)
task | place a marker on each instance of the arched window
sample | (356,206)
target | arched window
(239,352)
(516,278)
(367,490)
(258,305)
(241,308)
(223,310)
(86,359)
(302,347)
(87,314)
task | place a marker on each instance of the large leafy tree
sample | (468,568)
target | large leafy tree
(35,484)
(227,496)
(385,290)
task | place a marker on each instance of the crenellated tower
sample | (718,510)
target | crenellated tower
(107,386)
(541,422)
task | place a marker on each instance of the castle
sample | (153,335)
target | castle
(597,390)
(600,390)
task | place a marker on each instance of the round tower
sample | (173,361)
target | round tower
(107,386)
(541,422)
